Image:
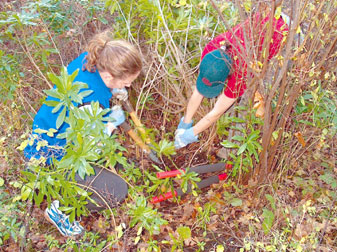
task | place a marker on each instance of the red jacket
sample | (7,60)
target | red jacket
(236,84)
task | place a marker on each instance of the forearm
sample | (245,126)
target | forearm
(193,105)
(206,122)
(221,106)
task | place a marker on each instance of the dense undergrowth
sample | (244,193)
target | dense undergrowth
(281,195)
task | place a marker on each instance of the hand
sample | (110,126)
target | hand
(120,93)
(183,125)
(118,116)
(184,137)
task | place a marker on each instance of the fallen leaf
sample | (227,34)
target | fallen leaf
(188,210)
(252,182)
(100,225)
(12,247)
(302,230)
(300,138)
(41,245)
(245,219)
(291,194)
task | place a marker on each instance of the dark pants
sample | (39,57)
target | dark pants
(106,187)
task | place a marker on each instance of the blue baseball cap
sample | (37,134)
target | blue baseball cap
(213,72)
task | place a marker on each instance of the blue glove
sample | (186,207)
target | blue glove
(118,116)
(183,125)
(120,93)
(184,137)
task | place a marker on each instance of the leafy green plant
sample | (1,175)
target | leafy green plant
(204,215)
(189,181)
(10,212)
(183,234)
(154,184)
(157,186)
(89,242)
(165,148)
(318,106)
(87,125)
(232,199)
(144,217)
(10,76)
(268,215)
(245,143)
(131,173)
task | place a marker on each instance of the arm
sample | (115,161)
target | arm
(223,103)
(193,105)
(184,137)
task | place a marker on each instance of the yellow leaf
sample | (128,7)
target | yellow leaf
(247,5)
(182,2)
(278,12)
(23,145)
(264,53)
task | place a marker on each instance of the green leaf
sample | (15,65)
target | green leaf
(85,93)
(54,79)
(51,103)
(38,197)
(271,200)
(238,138)
(61,118)
(57,107)
(25,192)
(236,202)
(237,120)
(254,135)
(329,179)
(72,77)
(2,181)
(167,148)
(242,149)
(228,144)
(184,232)
(137,239)
(268,220)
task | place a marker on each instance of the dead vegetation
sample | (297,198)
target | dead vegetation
(286,202)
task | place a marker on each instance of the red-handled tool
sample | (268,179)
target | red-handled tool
(198,169)
(202,184)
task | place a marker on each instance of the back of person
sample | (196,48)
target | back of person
(45,119)
(255,29)
(107,67)
(223,70)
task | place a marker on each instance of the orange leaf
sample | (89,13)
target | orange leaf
(300,138)
(259,104)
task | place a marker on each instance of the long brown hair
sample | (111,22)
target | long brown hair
(118,57)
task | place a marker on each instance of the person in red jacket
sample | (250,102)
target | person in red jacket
(223,71)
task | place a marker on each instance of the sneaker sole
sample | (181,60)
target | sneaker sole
(46,215)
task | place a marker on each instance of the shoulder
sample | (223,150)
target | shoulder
(214,44)
(77,63)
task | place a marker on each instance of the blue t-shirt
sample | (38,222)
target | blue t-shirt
(45,119)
